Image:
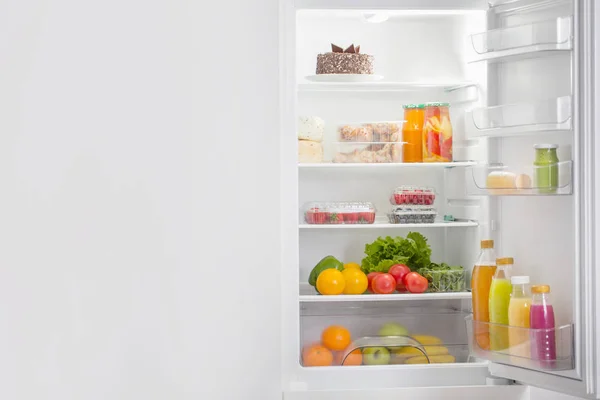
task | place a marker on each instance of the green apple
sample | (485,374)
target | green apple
(376,356)
(393,329)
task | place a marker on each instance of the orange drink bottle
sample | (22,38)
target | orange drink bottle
(481,280)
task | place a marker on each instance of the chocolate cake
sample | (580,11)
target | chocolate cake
(341,61)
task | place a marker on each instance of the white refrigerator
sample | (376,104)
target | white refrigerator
(516,74)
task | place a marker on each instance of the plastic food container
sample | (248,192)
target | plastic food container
(412,214)
(371,132)
(416,195)
(437,133)
(344,212)
(347,152)
(445,280)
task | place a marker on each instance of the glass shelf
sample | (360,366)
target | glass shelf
(520,119)
(535,349)
(523,41)
(503,180)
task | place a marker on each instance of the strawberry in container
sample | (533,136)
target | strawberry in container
(413,195)
(342,212)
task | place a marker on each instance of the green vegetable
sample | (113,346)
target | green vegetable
(385,252)
(444,278)
(326,263)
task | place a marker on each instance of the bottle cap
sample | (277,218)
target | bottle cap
(519,280)
(487,244)
(505,261)
(540,289)
(545,146)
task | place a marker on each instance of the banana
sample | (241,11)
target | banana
(439,359)
(427,339)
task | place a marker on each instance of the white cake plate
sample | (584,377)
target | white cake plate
(344,78)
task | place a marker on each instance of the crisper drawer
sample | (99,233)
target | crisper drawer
(380,335)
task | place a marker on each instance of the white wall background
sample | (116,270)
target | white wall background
(138,139)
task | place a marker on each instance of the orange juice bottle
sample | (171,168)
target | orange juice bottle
(481,280)
(412,148)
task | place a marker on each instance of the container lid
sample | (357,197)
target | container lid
(413,189)
(545,146)
(437,104)
(412,106)
(487,244)
(339,206)
(540,289)
(519,280)
(505,261)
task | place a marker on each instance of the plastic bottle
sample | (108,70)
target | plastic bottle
(500,291)
(483,272)
(543,346)
(518,316)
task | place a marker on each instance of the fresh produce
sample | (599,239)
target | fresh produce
(393,329)
(442,359)
(376,356)
(444,278)
(398,271)
(354,358)
(408,351)
(415,283)
(351,265)
(427,339)
(383,284)
(328,262)
(331,282)
(356,281)
(336,338)
(370,277)
(316,356)
(412,251)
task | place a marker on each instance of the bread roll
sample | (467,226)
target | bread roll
(311,128)
(310,151)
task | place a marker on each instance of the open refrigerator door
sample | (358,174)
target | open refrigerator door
(369,188)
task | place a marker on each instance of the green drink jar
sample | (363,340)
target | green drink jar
(545,170)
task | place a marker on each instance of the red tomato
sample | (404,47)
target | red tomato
(433,142)
(370,277)
(415,283)
(384,284)
(398,271)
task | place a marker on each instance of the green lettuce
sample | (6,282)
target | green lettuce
(387,251)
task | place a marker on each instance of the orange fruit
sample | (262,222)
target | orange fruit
(330,282)
(356,281)
(336,338)
(351,265)
(354,358)
(316,356)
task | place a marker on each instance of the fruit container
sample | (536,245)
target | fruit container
(449,279)
(415,195)
(342,212)
(371,132)
(378,152)
(412,214)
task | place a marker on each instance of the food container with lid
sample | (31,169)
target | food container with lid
(448,279)
(340,212)
(355,152)
(412,214)
(437,133)
(371,132)
(417,195)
